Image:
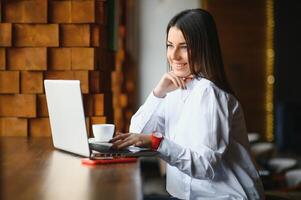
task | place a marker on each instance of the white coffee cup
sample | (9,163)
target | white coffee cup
(103,132)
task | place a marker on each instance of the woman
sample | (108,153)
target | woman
(196,123)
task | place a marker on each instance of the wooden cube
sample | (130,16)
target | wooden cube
(118,119)
(31,82)
(59,58)
(105,81)
(100,81)
(98,104)
(19,105)
(98,120)
(42,109)
(83,11)
(94,81)
(123,100)
(130,86)
(64,75)
(116,101)
(36,35)
(83,76)
(100,14)
(117,78)
(60,11)
(88,105)
(39,127)
(82,58)
(5,34)
(105,59)
(29,11)
(13,11)
(128,115)
(2,59)
(99,37)
(95,35)
(108,109)
(36,11)
(26,58)
(11,126)
(102,105)
(1,11)
(75,35)
(9,82)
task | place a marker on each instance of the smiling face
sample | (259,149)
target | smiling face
(177,52)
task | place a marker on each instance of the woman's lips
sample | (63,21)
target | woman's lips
(179,66)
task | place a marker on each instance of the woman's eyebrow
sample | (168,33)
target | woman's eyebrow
(182,43)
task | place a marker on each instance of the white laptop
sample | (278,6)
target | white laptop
(68,126)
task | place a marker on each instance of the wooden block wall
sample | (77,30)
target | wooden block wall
(52,39)
(124,77)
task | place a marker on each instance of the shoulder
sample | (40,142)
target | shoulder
(206,89)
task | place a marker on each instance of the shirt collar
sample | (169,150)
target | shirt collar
(189,87)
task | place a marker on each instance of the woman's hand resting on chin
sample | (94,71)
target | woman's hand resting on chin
(170,82)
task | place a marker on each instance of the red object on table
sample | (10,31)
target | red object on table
(88,161)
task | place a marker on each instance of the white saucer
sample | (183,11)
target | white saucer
(92,140)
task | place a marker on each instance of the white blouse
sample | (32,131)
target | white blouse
(205,142)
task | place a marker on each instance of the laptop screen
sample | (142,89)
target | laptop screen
(66,114)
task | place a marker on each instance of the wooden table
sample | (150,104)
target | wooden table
(32,169)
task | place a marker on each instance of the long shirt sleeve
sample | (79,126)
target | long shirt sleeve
(149,117)
(204,148)
(200,159)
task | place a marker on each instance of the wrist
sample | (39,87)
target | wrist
(156,139)
(158,94)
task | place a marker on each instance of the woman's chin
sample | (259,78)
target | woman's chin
(181,73)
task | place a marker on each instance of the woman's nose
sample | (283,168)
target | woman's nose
(175,54)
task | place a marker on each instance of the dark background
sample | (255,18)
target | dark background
(288,75)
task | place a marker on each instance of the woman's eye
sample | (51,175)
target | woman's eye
(183,47)
(168,45)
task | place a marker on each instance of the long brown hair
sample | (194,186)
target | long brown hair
(204,54)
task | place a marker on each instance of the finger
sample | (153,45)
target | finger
(121,141)
(191,76)
(139,143)
(118,142)
(126,144)
(115,138)
(179,80)
(134,139)
(120,137)
(173,80)
(117,133)
(188,78)
(183,81)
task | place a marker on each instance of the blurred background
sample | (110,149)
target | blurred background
(116,49)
